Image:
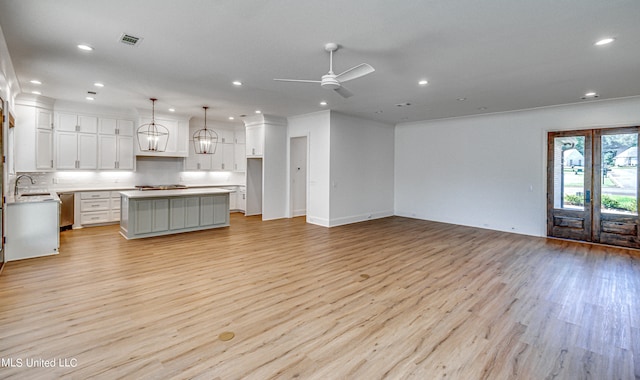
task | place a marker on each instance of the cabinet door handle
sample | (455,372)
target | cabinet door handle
(51,164)
(253,151)
(223,166)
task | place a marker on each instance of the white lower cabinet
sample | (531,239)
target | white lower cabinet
(99,207)
(114,212)
(185,212)
(214,209)
(32,230)
(151,216)
(241,199)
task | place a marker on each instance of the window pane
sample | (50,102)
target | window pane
(619,177)
(569,172)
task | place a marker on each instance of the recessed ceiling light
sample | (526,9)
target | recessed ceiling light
(237,83)
(323,103)
(605,41)
(35,81)
(98,84)
(461,99)
(85,47)
(231,118)
(482,108)
(90,98)
(36,92)
(423,82)
(172,110)
(590,95)
(258,111)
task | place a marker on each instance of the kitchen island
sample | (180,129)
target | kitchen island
(162,212)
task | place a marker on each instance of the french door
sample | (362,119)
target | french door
(592,178)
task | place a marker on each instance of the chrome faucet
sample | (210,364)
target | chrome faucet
(15,188)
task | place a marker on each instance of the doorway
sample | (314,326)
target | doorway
(592,178)
(298,176)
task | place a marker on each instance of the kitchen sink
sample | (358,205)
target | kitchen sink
(34,194)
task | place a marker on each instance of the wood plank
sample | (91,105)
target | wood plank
(436,301)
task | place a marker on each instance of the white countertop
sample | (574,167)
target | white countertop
(34,197)
(173,193)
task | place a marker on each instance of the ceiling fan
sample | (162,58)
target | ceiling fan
(334,82)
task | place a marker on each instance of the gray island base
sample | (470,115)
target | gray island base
(163,212)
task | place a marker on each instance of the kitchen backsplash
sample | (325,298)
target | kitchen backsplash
(149,171)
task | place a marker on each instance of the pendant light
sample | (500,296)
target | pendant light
(205,141)
(153,137)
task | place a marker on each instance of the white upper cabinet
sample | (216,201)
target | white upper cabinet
(115,144)
(77,123)
(226,136)
(76,150)
(240,136)
(76,141)
(108,126)
(197,161)
(255,141)
(32,144)
(240,158)
(115,152)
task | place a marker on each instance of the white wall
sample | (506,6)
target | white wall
(316,126)
(361,169)
(489,171)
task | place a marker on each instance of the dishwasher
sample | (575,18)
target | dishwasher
(66,210)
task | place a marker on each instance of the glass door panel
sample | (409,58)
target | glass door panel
(569,185)
(619,174)
(615,217)
(569,172)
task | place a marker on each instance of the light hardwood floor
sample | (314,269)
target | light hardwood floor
(392,298)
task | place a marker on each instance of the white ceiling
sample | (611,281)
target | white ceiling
(499,54)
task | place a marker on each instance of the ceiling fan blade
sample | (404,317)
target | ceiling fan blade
(355,72)
(298,80)
(343,92)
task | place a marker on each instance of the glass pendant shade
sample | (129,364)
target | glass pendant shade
(205,141)
(153,137)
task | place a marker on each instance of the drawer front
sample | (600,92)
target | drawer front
(94,217)
(114,216)
(115,194)
(95,194)
(94,205)
(115,203)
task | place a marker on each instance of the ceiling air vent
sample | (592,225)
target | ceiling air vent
(128,39)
